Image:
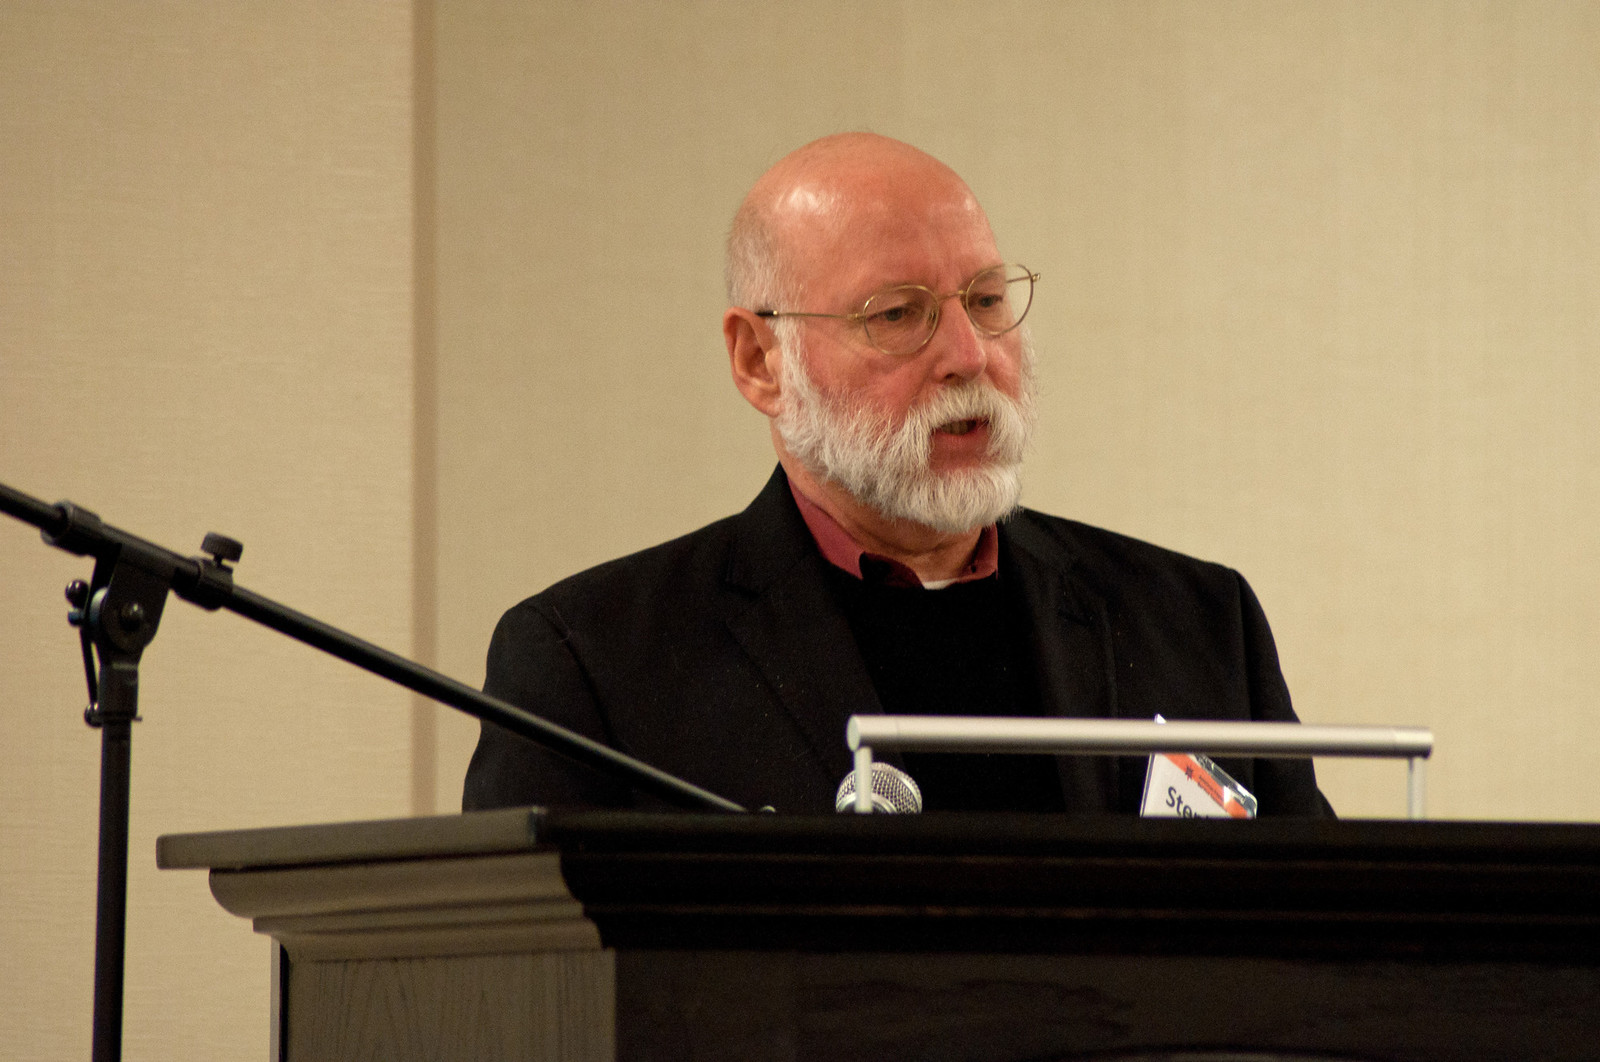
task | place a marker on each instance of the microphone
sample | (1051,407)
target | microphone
(893,791)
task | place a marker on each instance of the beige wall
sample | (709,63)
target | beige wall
(205,323)
(1318,303)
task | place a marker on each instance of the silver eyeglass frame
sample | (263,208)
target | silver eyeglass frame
(861,316)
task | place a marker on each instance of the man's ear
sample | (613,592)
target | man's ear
(753,355)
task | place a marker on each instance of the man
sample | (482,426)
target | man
(886,566)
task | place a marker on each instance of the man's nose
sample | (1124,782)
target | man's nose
(956,344)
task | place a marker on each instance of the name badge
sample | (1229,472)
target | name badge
(1187,785)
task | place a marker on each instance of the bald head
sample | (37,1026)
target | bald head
(806,212)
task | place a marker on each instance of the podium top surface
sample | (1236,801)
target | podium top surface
(1493,891)
(594,833)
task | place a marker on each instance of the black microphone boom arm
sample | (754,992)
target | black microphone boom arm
(208,582)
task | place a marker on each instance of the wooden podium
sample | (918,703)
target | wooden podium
(522,935)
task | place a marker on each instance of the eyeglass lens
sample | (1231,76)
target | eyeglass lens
(900,320)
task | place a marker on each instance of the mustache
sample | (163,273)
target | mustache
(982,402)
(1009,420)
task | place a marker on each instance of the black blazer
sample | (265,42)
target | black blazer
(722,657)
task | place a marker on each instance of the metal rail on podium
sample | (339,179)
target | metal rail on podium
(544,935)
(943,733)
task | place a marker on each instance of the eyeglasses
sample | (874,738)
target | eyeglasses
(900,320)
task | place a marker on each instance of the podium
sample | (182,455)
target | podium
(529,934)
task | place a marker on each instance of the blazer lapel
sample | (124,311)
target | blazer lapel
(789,625)
(1072,652)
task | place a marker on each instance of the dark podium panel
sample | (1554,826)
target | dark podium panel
(940,937)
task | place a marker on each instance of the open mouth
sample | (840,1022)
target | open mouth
(960,427)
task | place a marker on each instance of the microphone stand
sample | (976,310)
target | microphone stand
(117,613)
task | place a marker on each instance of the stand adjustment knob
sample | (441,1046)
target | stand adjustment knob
(78,598)
(221,548)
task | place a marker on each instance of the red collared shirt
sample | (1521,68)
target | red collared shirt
(846,554)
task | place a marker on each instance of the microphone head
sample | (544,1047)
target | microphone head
(893,791)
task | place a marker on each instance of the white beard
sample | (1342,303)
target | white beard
(887,467)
